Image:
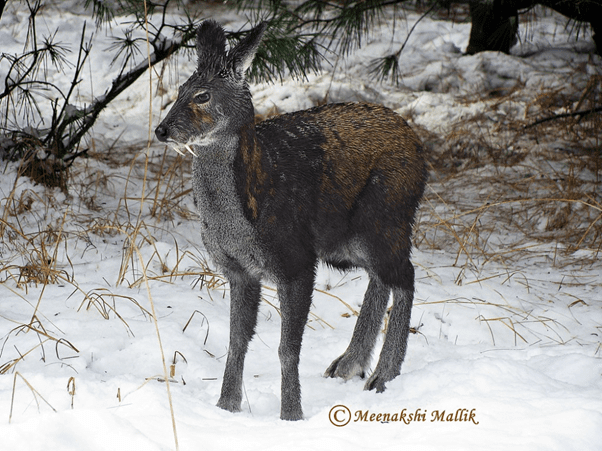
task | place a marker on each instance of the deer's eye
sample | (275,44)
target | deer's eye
(202,97)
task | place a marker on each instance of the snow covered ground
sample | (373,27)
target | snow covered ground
(508,327)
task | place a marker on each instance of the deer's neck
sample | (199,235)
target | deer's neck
(228,184)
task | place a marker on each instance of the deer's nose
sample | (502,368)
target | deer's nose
(161,133)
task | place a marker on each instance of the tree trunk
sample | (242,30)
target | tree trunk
(494,26)
(495,22)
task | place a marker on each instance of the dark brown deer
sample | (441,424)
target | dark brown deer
(339,183)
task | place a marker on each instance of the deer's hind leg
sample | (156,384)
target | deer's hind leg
(398,330)
(384,233)
(356,359)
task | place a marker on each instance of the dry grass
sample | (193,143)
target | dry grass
(37,396)
(499,175)
(40,232)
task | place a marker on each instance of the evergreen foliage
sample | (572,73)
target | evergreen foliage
(325,28)
(48,147)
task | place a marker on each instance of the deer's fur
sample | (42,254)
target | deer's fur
(339,183)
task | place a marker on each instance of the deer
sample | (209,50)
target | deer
(338,183)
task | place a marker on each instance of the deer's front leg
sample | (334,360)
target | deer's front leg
(295,300)
(244,304)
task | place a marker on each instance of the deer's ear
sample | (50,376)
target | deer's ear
(210,47)
(241,56)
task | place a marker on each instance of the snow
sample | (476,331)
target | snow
(516,341)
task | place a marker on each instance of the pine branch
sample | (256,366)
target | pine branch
(564,115)
(318,27)
(69,123)
(163,48)
(388,66)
